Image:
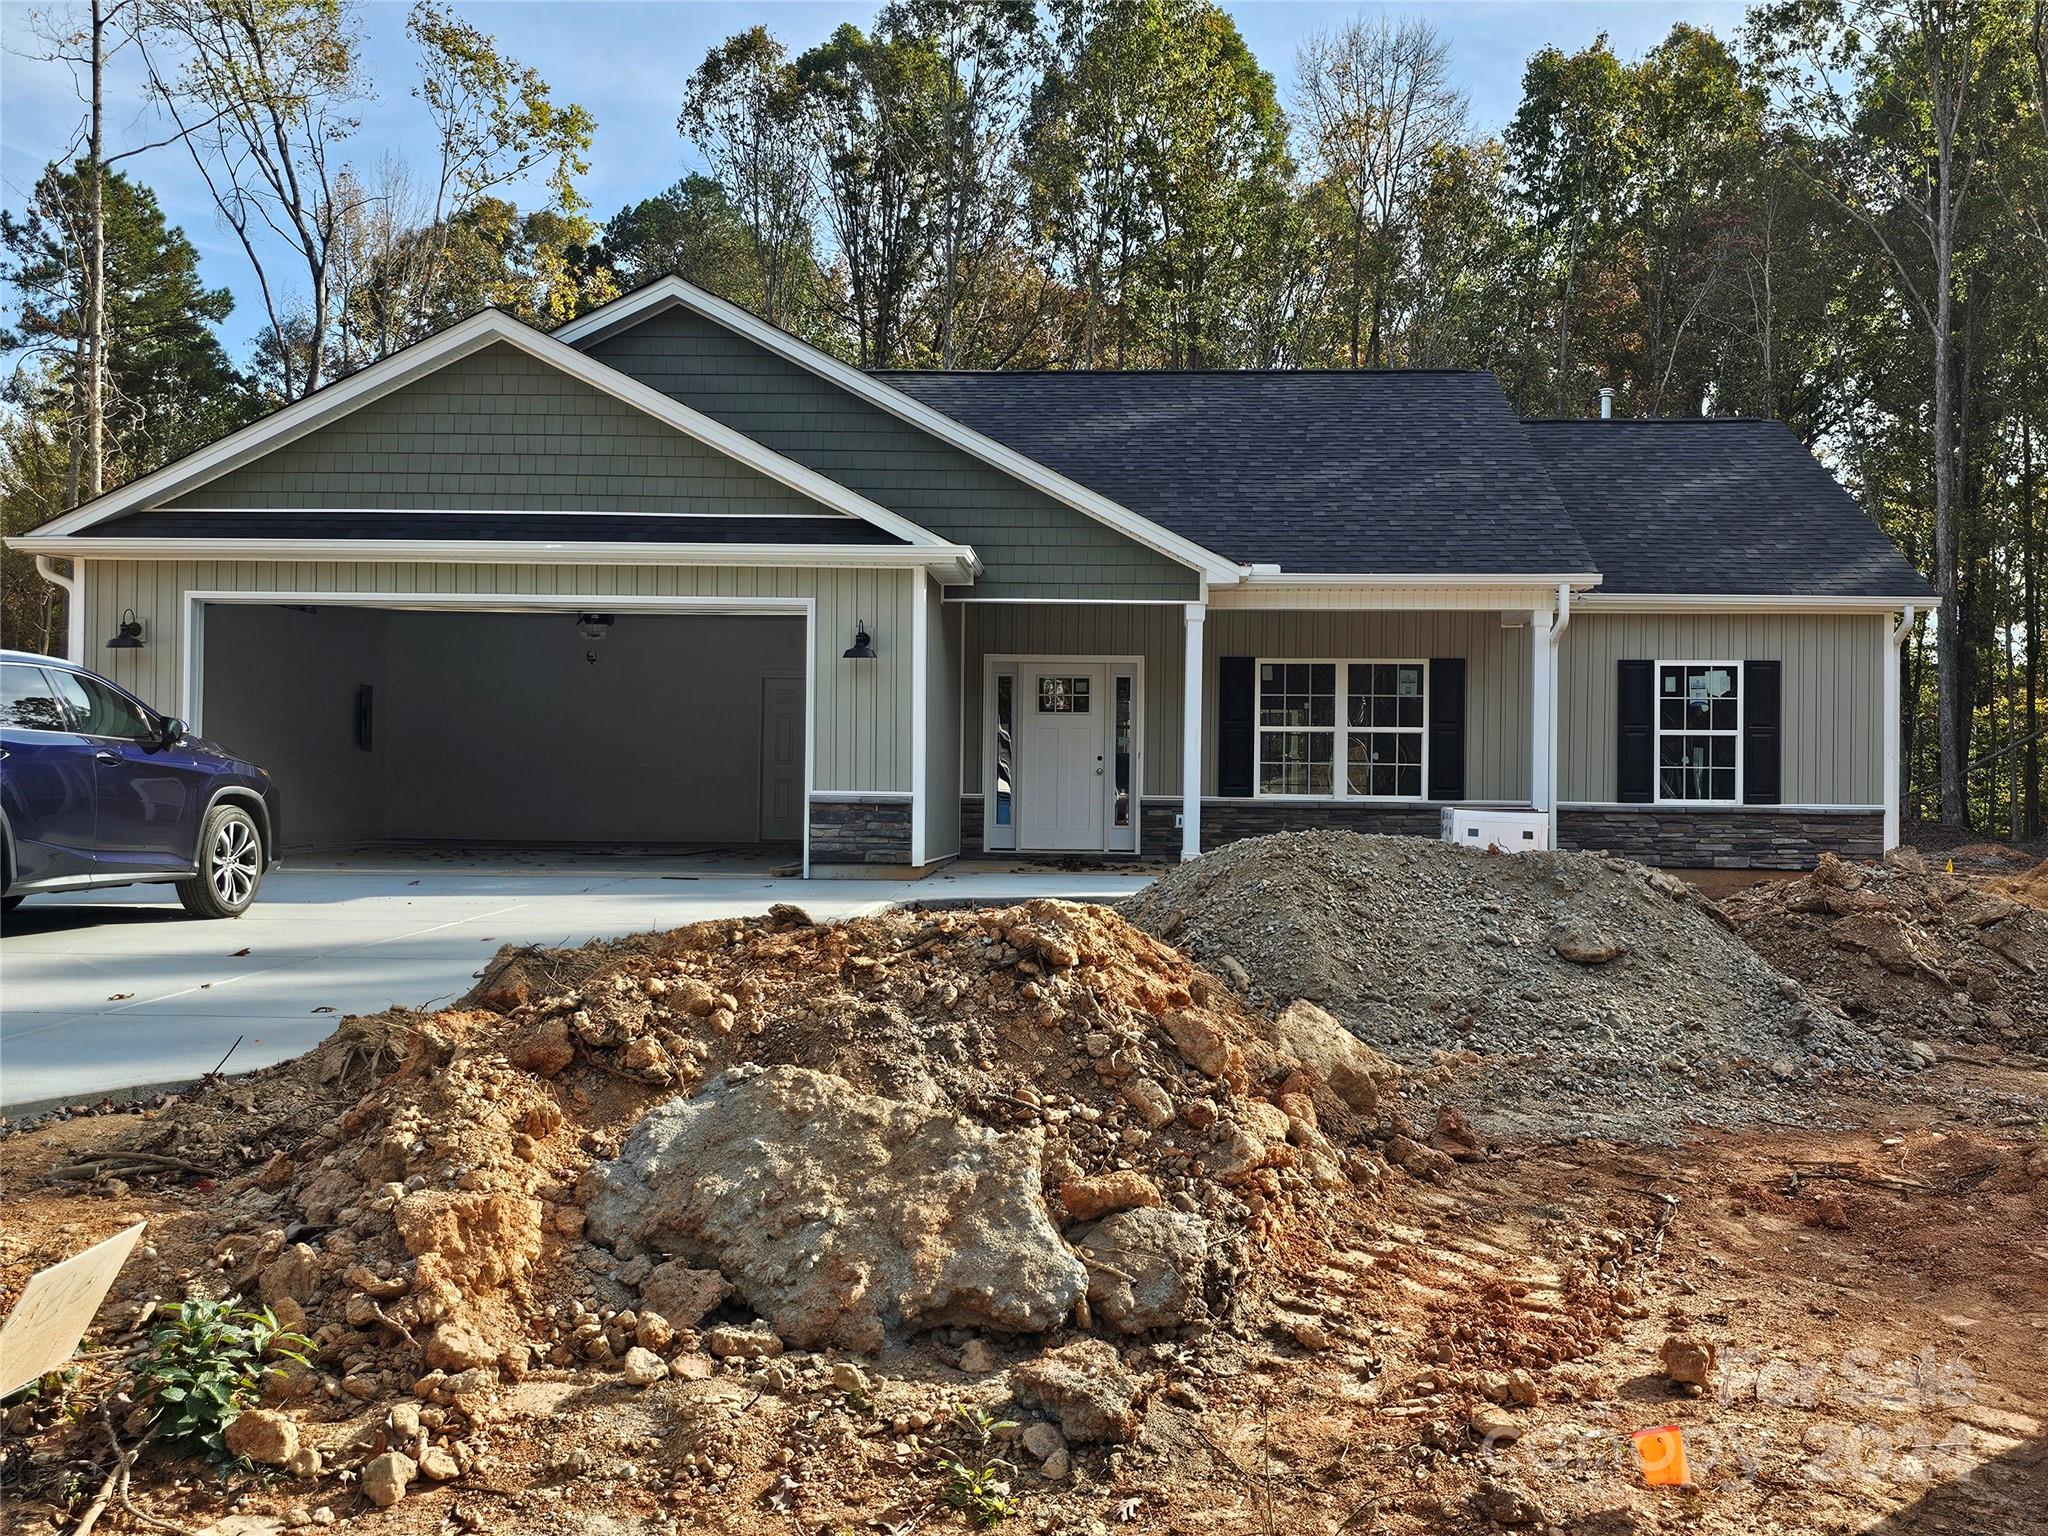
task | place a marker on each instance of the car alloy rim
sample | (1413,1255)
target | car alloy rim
(234,862)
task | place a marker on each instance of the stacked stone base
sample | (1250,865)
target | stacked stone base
(860,831)
(1745,837)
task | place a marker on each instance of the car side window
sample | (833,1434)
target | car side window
(28,702)
(100,711)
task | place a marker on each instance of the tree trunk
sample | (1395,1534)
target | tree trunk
(1947,567)
(96,283)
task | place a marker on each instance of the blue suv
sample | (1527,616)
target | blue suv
(98,789)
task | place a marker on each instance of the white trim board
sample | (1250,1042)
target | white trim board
(947,558)
(193,635)
(459,341)
(673,291)
(1767,602)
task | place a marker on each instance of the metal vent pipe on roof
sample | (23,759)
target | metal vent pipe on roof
(1607,402)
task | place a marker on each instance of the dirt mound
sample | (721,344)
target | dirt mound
(2031,887)
(1914,952)
(1599,996)
(969,1102)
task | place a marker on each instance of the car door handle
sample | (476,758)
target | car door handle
(105,756)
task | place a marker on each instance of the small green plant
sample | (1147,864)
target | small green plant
(978,1481)
(205,1366)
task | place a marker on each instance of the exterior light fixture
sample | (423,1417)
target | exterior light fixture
(863,647)
(594,626)
(128,633)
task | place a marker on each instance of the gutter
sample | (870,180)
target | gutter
(74,605)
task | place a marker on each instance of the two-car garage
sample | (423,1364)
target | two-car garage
(503,721)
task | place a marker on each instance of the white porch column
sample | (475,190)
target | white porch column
(1894,638)
(1191,736)
(1542,752)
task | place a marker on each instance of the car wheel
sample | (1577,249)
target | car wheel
(230,865)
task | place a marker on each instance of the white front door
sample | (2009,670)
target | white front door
(1063,757)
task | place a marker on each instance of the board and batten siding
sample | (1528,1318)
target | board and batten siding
(500,430)
(1150,631)
(862,708)
(1497,674)
(1031,545)
(1832,707)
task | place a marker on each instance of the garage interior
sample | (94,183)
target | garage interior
(518,729)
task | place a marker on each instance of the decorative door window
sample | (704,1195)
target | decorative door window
(1063,695)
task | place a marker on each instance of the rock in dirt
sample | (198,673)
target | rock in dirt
(680,1295)
(642,1367)
(843,1218)
(1501,1501)
(456,1346)
(731,1342)
(977,1358)
(1145,1269)
(1354,1070)
(266,1437)
(1686,1360)
(386,1477)
(1587,946)
(1087,1198)
(1083,1385)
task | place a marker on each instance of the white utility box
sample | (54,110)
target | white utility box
(1501,831)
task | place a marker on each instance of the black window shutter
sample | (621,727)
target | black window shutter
(1447,728)
(1236,700)
(1762,740)
(1635,704)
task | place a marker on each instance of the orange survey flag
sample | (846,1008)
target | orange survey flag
(1661,1455)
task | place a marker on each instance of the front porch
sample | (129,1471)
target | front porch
(1078,721)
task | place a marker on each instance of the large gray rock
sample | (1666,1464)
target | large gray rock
(1145,1269)
(843,1218)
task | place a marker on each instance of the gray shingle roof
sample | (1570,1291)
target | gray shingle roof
(1410,473)
(1716,505)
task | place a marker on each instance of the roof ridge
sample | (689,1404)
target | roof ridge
(1178,373)
(1649,421)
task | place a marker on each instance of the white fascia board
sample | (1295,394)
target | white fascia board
(668,291)
(950,562)
(459,341)
(1741,602)
(1273,576)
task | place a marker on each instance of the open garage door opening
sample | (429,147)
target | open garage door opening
(539,729)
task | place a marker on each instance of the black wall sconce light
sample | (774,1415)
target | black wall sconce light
(128,633)
(863,647)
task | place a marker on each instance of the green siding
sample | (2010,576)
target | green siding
(500,430)
(1031,545)
(1833,705)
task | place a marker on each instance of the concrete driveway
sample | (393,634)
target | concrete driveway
(119,989)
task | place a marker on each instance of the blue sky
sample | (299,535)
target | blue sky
(627,61)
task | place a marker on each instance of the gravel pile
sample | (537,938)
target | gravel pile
(1578,994)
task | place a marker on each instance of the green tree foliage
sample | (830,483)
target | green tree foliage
(170,386)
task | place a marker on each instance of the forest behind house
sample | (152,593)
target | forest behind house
(1837,217)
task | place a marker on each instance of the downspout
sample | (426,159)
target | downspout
(74,606)
(1557,629)
(1895,640)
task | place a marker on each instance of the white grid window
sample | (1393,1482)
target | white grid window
(1370,717)
(1699,731)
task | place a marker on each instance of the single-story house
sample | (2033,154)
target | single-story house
(669,574)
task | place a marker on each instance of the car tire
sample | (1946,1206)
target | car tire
(230,865)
